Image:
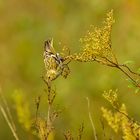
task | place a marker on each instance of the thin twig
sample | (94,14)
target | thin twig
(49,123)
(7,115)
(80,133)
(37,101)
(119,66)
(8,122)
(133,80)
(48,115)
(124,65)
(91,120)
(7,110)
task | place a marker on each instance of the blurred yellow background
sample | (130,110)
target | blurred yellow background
(26,24)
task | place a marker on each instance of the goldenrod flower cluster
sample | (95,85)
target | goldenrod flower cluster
(112,97)
(97,44)
(112,119)
(119,121)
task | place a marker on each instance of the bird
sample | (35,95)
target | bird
(54,62)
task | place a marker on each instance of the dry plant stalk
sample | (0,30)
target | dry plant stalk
(54,67)
(80,132)
(45,126)
(68,135)
(7,116)
(91,120)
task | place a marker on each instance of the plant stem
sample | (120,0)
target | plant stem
(8,122)
(133,80)
(91,120)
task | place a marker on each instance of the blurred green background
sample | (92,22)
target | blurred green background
(26,24)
